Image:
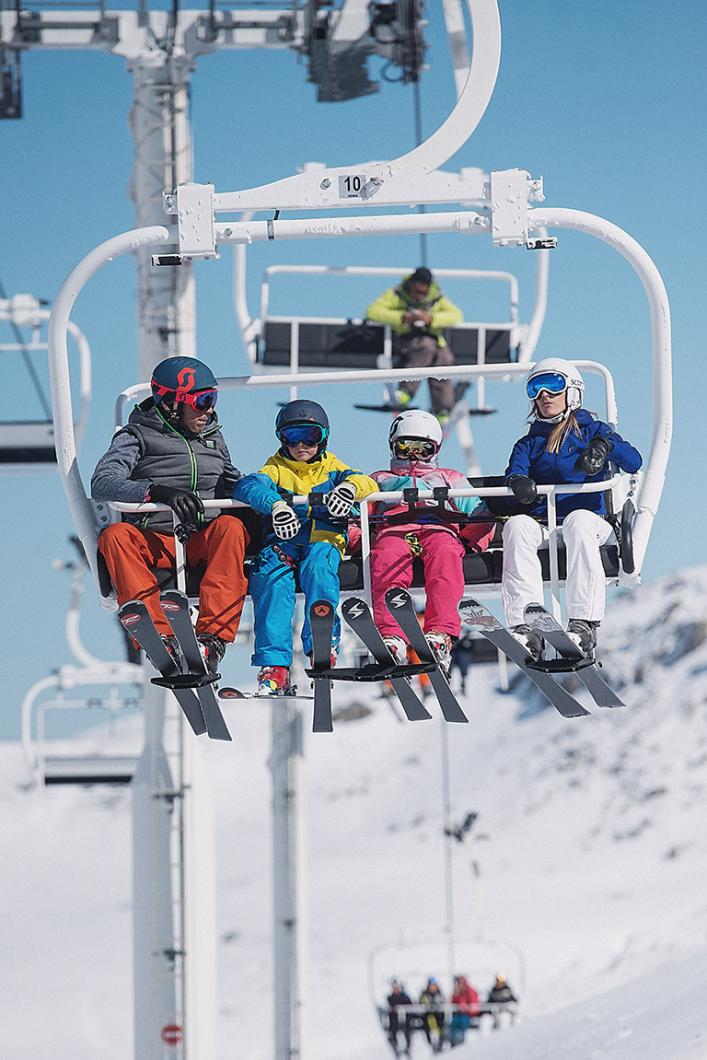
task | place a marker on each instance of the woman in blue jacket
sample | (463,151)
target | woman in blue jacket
(565,443)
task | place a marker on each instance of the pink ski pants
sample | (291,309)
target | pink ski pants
(391,566)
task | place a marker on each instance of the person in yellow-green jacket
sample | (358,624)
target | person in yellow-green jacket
(309,540)
(418,313)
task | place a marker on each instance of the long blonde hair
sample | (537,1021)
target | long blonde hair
(560,431)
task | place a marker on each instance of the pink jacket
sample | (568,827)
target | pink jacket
(418,474)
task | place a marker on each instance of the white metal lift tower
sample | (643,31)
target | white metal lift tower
(173,880)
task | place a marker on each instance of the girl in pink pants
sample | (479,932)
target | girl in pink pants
(415,440)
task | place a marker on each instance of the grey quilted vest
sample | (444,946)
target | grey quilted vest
(191,462)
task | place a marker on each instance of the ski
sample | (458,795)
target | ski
(321,617)
(553,633)
(357,615)
(176,609)
(228,692)
(401,606)
(386,407)
(479,618)
(137,622)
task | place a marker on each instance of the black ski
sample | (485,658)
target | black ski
(358,616)
(477,617)
(552,632)
(386,407)
(176,608)
(321,617)
(401,606)
(137,622)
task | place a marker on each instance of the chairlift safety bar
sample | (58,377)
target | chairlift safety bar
(549,491)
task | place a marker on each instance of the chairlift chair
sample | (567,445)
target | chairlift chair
(28,444)
(502,204)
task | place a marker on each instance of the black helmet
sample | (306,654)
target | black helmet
(300,413)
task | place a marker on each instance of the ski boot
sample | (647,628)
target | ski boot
(441,645)
(402,399)
(172,646)
(213,649)
(584,633)
(398,649)
(530,639)
(273,680)
(332,658)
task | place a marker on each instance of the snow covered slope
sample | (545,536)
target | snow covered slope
(582,873)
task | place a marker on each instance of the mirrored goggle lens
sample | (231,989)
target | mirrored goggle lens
(202,400)
(553,382)
(307,433)
(420,447)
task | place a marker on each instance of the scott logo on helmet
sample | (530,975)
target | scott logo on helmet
(186,379)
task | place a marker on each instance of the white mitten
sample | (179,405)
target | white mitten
(339,502)
(285,523)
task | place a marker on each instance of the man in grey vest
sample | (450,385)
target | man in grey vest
(172,452)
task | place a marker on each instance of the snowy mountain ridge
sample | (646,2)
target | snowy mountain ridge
(582,873)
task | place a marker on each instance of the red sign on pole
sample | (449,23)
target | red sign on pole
(172,1034)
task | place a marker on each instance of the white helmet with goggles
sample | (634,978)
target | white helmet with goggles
(415,435)
(555,376)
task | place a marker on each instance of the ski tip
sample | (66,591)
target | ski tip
(321,609)
(230,693)
(396,597)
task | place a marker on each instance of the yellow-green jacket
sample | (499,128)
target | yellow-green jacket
(281,478)
(394,303)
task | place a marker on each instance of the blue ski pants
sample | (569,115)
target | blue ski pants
(272,588)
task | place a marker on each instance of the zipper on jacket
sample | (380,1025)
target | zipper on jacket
(193,466)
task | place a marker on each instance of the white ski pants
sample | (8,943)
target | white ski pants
(583,533)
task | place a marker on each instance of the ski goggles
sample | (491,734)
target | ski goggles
(200,400)
(303,434)
(553,382)
(414,448)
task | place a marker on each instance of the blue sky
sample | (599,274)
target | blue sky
(603,100)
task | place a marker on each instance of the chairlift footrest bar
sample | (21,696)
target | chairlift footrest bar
(559,666)
(373,672)
(186,680)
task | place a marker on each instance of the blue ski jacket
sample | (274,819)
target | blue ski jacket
(530,457)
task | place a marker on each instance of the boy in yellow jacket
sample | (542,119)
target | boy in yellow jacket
(418,313)
(309,541)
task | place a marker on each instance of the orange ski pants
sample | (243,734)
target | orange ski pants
(131,554)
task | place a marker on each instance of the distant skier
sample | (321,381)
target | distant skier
(398,1022)
(467,1010)
(418,313)
(415,439)
(298,540)
(432,1000)
(565,443)
(503,1000)
(172,452)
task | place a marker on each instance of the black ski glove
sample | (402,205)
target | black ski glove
(524,489)
(184,503)
(592,459)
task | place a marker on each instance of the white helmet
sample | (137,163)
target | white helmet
(567,378)
(415,424)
